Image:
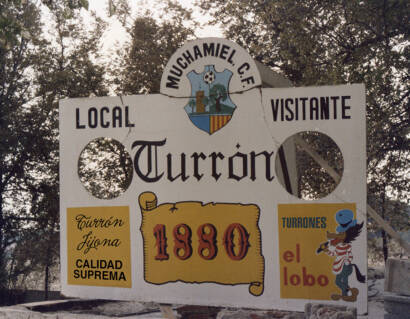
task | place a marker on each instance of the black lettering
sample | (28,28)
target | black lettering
(314,109)
(324,108)
(296,109)
(81,245)
(218,46)
(172,82)
(92,117)
(224,51)
(197,52)
(183,175)
(334,99)
(249,80)
(268,174)
(275,107)
(102,122)
(188,57)
(209,49)
(150,161)
(244,158)
(196,156)
(176,70)
(243,68)
(290,116)
(116,117)
(214,156)
(230,57)
(304,99)
(345,107)
(127,120)
(182,64)
(113,275)
(77,119)
(282,110)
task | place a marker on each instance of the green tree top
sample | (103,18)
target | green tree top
(216,94)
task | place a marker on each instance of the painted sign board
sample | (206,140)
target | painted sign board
(204,219)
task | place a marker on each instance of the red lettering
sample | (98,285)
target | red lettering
(182,241)
(288,256)
(235,240)
(285,276)
(161,242)
(243,241)
(207,241)
(308,280)
(297,253)
(305,279)
(295,280)
(322,280)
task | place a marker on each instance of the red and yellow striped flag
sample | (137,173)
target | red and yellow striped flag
(218,121)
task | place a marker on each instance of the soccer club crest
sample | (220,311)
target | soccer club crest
(210,108)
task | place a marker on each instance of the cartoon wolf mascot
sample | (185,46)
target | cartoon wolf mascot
(339,246)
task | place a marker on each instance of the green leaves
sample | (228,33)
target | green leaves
(333,42)
(37,68)
(139,64)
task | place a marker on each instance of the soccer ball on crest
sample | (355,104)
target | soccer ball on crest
(209,77)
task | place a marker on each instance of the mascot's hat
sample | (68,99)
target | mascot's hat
(345,219)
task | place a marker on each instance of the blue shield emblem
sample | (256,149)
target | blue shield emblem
(210,108)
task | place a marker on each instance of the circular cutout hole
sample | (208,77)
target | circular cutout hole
(309,165)
(105,168)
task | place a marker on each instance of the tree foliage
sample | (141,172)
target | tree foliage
(105,168)
(40,64)
(313,181)
(333,42)
(216,94)
(311,42)
(138,66)
(20,28)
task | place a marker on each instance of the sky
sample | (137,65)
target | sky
(115,32)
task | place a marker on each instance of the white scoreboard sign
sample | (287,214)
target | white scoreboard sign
(203,218)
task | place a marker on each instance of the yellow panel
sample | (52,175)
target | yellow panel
(243,265)
(305,273)
(98,246)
